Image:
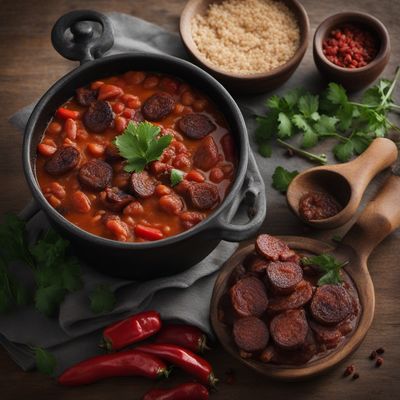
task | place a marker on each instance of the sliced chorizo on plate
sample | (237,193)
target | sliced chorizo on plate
(331,304)
(158,106)
(206,155)
(249,297)
(195,126)
(98,117)
(273,248)
(300,296)
(95,175)
(255,263)
(326,335)
(142,184)
(289,329)
(250,334)
(283,277)
(62,161)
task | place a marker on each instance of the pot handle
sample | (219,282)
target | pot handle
(82,35)
(253,196)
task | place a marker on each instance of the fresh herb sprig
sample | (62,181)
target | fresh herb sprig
(281,178)
(102,299)
(140,144)
(329,265)
(331,115)
(45,361)
(55,271)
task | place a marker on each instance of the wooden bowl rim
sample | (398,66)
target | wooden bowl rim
(304,26)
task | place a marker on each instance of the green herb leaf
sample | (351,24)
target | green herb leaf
(265,149)
(284,126)
(45,361)
(282,178)
(344,151)
(326,125)
(102,299)
(329,265)
(48,299)
(71,275)
(308,105)
(176,176)
(336,94)
(140,144)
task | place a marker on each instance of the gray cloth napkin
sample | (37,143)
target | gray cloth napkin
(183,297)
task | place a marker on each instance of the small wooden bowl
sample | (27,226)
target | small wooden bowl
(244,84)
(357,78)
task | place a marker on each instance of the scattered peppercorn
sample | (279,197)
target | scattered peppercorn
(372,356)
(379,362)
(350,46)
(349,370)
(381,350)
(356,376)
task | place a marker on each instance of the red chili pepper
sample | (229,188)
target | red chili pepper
(187,336)
(131,330)
(183,358)
(192,391)
(65,113)
(125,363)
(148,233)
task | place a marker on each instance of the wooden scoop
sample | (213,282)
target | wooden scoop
(344,182)
(379,219)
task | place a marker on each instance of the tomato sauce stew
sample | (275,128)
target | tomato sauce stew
(82,174)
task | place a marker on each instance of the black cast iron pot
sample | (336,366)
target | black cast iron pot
(85,36)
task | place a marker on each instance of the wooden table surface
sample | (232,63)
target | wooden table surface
(30,65)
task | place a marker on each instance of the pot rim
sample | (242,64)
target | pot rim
(206,224)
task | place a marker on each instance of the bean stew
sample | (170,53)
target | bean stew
(83,175)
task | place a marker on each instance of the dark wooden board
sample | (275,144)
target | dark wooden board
(29,66)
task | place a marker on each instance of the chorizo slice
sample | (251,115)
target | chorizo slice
(142,184)
(98,117)
(203,196)
(331,304)
(273,249)
(115,199)
(158,106)
(289,329)
(299,297)
(206,155)
(283,277)
(96,175)
(195,126)
(111,153)
(250,334)
(326,335)
(255,263)
(85,96)
(62,161)
(249,297)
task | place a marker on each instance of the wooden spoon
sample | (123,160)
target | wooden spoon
(345,182)
(379,219)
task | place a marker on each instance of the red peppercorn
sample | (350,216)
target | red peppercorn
(356,376)
(372,356)
(350,46)
(349,370)
(379,362)
(381,350)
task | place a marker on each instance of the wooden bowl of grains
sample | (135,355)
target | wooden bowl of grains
(250,46)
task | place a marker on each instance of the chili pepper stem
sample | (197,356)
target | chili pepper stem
(105,345)
(203,344)
(165,373)
(212,380)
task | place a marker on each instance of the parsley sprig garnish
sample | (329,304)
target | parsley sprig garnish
(331,115)
(140,144)
(282,178)
(330,267)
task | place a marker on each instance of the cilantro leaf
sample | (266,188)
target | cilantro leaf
(326,125)
(176,176)
(360,142)
(71,275)
(284,126)
(273,102)
(45,361)
(140,144)
(336,94)
(265,149)
(310,137)
(282,178)
(329,265)
(48,299)
(102,299)
(292,97)
(308,105)
(344,151)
